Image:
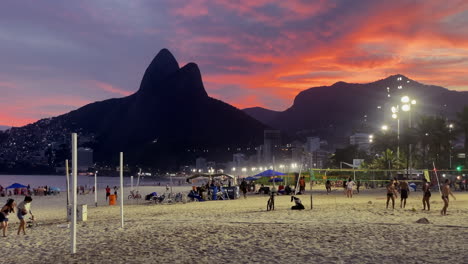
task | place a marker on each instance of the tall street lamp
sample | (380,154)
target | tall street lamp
(406,107)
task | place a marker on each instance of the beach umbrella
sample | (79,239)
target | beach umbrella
(54,189)
(16,185)
(251,178)
(270,173)
(276,180)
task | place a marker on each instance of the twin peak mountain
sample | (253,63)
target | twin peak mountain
(168,116)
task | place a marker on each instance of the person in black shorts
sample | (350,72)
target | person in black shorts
(391,194)
(404,191)
(426,195)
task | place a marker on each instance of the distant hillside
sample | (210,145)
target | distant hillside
(3,128)
(336,111)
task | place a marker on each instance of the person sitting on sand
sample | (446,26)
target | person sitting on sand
(298,204)
(404,191)
(23,209)
(8,208)
(445,196)
(391,194)
(427,195)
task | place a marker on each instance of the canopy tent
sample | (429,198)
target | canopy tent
(209,175)
(270,173)
(251,178)
(16,185)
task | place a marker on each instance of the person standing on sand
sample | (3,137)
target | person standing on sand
(243,187)
(404,191)
(24,208)
(328,186)
(358,185)
(107,192)
(344,187)
(115,192)
(391,194)
(8,208)
(426,188)
(349,188)
(445,196)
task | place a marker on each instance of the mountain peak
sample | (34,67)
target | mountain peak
(163,65)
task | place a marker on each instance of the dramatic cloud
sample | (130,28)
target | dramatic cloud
(58,56)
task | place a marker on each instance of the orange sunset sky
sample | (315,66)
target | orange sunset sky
(60,55)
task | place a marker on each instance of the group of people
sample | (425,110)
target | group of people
(23,209)
(108,192)
(404,189)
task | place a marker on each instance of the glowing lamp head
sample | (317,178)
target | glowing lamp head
(406,107)
(394,116)
(384,127)
(405,99)
(413,102)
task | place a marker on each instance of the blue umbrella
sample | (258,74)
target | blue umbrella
(270,173)
(251,178)
(54,189)
(16,185)
(276,180)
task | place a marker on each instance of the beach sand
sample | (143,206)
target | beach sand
(337,230)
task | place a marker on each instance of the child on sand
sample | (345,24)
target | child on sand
(391,194)
(8,208)
(445,196)
(427,194)
(23,209)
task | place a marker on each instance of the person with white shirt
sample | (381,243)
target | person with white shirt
(24,208)
(349,188)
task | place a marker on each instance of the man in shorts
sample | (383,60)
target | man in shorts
(404,191)
(445,196)
(391,194)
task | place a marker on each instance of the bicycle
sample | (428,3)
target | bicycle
(134,195)
(271,202)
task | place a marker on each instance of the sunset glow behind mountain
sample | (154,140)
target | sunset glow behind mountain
(60,55)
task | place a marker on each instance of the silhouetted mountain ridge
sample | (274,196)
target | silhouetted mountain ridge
(338,110)
(169,117)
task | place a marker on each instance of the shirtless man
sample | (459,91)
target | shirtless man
(426,194)
(445,196)
(391,194)
(404,189)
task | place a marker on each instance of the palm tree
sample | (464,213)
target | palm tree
(462,124)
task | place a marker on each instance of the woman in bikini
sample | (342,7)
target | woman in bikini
(8,208)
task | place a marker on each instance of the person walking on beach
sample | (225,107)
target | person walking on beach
(24,208)
(243,188)
(404,191)
(115,192)
(107,192)
(328,186)
(349,188)
(391,194)
(445,196)
(344,187)
(8,208)
(426,188)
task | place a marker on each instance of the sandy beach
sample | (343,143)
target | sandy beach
(337,230)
